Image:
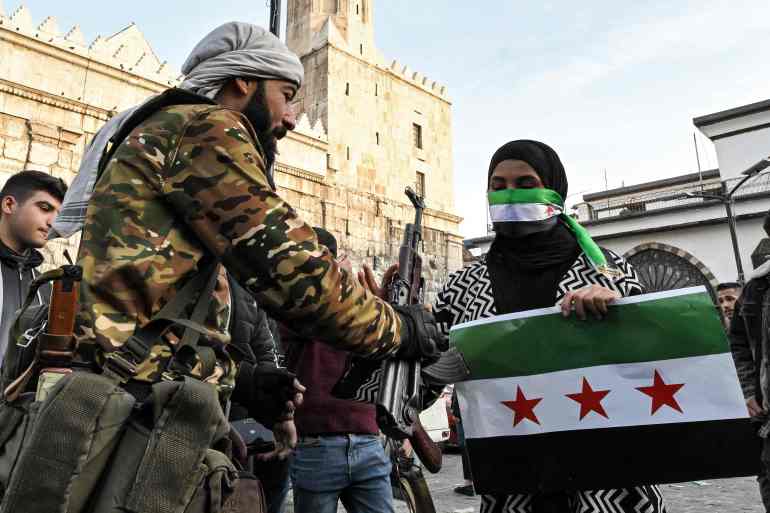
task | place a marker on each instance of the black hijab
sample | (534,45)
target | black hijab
(525,271)
(539,156)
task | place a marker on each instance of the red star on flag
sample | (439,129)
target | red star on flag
(523,408)
(662,393)
(590,400)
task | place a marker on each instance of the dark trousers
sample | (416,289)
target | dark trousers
(455,407)
(764,478)
(274,476)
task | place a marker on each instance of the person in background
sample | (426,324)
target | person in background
(467,487)
(29,202)
(748,337)
(339,456)
(252,342)
(727,294)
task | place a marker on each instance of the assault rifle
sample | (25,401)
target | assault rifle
(398,402)
(398,382)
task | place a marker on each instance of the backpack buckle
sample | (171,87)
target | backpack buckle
(119,367)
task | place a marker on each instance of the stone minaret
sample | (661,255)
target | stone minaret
(388,126)
(313,23)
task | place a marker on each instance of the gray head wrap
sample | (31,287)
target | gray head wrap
(238,50)
(234,50)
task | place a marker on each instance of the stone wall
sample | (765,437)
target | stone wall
(56,91)
(368,228)
(369,106)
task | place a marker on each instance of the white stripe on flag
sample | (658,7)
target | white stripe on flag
(710,392)
(522,212)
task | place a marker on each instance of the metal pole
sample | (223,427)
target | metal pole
(275,17)
(729,204)
(726,198)
(697,158)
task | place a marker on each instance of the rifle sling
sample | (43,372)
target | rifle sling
(122,363)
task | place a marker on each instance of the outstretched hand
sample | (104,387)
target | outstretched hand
(369,281)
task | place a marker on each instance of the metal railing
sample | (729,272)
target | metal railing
(651,201)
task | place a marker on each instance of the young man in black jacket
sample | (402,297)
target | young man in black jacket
(29,202)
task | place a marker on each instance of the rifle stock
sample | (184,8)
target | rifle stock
(64,302)
(56,347)
(426,449)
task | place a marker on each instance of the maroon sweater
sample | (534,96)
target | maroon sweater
(319,367)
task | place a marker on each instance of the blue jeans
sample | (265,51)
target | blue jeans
(350,468)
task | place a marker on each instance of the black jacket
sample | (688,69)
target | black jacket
(249,331)
(748,342)
(250,338)
(17,272)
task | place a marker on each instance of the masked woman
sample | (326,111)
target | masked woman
(540,257)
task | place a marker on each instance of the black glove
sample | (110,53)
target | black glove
(264,391)
(420,339)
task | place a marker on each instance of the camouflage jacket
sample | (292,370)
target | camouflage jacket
(187,183)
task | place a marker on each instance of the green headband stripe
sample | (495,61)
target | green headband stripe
(512,196)
(550,197)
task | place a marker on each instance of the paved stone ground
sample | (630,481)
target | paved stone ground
(717,496)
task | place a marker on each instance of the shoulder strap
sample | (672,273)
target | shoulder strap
(188,349)
(122,363)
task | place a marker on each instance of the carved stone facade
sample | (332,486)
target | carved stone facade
(388,127)
(56,91)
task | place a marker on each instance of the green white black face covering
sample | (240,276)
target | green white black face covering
(520,212)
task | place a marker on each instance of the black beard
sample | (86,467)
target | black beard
(258,114)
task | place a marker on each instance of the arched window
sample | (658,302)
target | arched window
(664,267)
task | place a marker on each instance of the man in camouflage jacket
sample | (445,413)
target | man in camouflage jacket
(190,183)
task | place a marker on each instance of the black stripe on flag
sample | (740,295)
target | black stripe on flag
(595,459)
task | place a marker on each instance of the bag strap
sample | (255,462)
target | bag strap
(188,349)
(121,364)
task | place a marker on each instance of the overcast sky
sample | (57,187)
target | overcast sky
(610,85)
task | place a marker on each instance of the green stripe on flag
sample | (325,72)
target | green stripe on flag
(659,329)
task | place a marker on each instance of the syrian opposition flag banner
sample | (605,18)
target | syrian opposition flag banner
(647,395)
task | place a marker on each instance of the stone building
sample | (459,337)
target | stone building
(388,127)
(56,91)
(674,230)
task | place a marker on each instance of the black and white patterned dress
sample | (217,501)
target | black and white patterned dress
(467,296)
